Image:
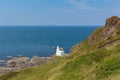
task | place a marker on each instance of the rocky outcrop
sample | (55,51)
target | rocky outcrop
(19,63)
(4,70)
(112,21)
(104,36)
(111,27)
(24,62)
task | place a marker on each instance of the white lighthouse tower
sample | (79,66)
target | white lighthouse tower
(59,51)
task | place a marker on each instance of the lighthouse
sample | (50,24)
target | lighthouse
(59,51)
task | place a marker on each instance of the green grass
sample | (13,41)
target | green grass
(9,76)
(97,64)
(109,67)
(85,63)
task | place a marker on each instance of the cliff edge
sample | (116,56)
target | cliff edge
(96,58)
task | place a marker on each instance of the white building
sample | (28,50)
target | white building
(59,51)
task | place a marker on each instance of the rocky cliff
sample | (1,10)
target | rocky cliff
(106,35)
(96,58)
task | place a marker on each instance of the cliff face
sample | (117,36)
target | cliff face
(96,58)
(113,21)
(100,51)
(109,33)
(111,27)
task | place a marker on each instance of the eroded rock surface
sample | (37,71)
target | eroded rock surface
(111,27)
(19,63)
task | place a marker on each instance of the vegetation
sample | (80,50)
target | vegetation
(96,65)
(87,61)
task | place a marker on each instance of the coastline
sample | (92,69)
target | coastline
(20,63)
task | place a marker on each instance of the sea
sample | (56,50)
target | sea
(40,40)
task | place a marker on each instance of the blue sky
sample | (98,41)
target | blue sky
(57,12)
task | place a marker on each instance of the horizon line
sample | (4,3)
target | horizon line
(50,25)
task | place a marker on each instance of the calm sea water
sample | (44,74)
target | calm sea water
(39,41)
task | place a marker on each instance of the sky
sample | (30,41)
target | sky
(57,12)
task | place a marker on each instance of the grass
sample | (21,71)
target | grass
(9,76)
(95,65)
(85,63)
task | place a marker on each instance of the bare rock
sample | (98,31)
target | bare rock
(21,62)
(39,60)
(111,27)
(4,70)
(112,21)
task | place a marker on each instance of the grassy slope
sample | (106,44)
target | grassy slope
(86,63)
